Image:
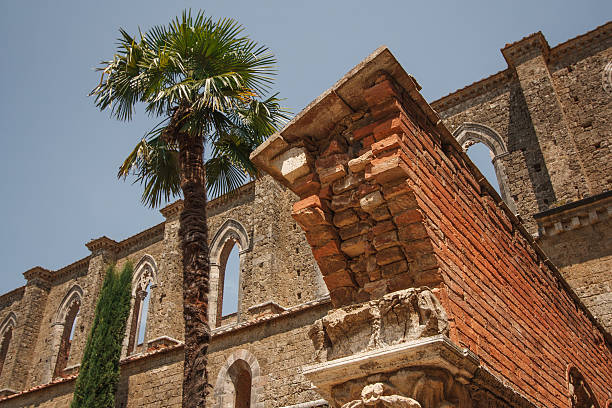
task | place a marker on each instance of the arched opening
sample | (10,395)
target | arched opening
(581,395)
(486,149)
(231,281)
(144,281)
(67,337)
(140,313)
(482,157)
(238,383)
(6,334)
(228,245)
(241,377)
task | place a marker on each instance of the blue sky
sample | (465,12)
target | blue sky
(59,154)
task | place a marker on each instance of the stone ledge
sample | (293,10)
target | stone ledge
(575,215)
(435,351)
(265,309)
(220,331)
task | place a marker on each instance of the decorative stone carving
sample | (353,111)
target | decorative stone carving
(395,318)
(428,387)
(372,396)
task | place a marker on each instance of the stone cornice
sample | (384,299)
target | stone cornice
(155,232)
(579,214)
(572,46)
(80,265)
(435,351)
(172,210)
(526,48)
(232,328)
(473,90)
(11,296)
(101,244)
(38,274)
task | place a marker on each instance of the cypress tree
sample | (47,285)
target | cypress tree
(98,378)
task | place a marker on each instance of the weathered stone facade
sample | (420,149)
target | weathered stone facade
(375,261)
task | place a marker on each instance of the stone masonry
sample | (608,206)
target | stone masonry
(378,267)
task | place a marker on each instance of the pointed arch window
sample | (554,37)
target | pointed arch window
(238,384)
(228,245)
(145,279)
(469,134)
(66,322)
(6,335)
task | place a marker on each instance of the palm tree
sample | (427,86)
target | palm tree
(206,80)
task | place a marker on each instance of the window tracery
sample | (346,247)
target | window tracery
(143,282)
(6,335)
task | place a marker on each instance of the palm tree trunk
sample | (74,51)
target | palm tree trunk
(193,234)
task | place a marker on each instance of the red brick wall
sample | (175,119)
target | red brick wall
(504,303)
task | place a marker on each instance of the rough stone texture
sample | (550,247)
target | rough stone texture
(412,244)
(578,239)
(552,111)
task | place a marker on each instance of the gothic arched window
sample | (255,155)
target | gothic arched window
(64,327)
(145,279)
(226,249)
(6,334)
(470,134)
(239,382)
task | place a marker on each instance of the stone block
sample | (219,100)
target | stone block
(359,164)
(371,201)
(344,218)
(293,163)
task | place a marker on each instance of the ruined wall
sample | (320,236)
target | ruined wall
(269,273)
(551,108)
(393,203)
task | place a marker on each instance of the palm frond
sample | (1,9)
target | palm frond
(218,77)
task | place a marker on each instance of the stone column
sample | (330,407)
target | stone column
(170,276)
(27,332)
(528,58)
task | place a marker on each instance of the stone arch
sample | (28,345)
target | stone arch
(9,321)
(143,282)
(6,335)
(74,295)
(227,381)
(61,328)
(469,134)
(145,273)
(231,233)
(580,393)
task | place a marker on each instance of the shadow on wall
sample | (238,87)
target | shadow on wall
(522,137)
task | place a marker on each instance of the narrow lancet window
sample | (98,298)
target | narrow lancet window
(5,340)
(231,281)
(144,281)
(240,374)
(67,337)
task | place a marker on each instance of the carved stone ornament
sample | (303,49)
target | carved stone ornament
(396,318)
(427,387)
(372,396)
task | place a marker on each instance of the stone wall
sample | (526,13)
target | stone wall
(551,107)
(399,221)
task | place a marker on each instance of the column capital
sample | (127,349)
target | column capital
(525,49)
(102,244)
(38,275)
(172,210)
